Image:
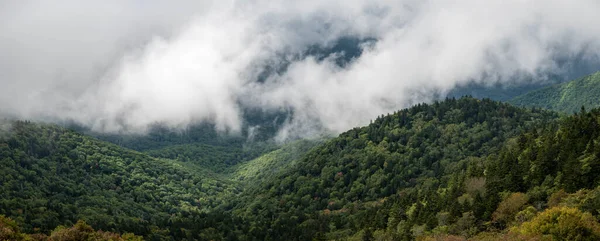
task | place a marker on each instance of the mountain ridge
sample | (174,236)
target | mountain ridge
(566,97)
(453,169)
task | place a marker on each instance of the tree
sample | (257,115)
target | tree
(562,223)
(509,207)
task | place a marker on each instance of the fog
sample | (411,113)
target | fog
(125,65)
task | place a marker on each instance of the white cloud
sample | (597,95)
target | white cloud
(128,64)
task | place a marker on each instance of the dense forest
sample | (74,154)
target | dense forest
(451,170)
(9,230)
(51,176)
(392,177)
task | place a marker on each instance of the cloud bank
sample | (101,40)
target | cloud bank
(125,65)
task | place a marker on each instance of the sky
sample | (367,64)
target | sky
(125,65)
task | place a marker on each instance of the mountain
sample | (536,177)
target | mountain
(396,174)
(202,144)
(570,68)
(449,170)
(269,165)
(496,92)
(567,97)
(52,176)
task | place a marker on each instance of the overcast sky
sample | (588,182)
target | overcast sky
(123,65)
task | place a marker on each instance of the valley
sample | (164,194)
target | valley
(450,170)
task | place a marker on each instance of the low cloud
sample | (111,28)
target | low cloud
(125,65)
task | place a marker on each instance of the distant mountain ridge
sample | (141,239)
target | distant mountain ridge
(566,97)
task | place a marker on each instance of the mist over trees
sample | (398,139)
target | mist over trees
(455,168)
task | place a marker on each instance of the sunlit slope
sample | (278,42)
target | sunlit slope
(52,176)
(567,97)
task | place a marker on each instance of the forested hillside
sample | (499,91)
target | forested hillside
(332,120)
(450,170)
(392,177)
(496,92)
(51,176)
(201,144)
(567,97)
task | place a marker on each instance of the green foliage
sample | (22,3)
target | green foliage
(269,165)
(82,231)
(215,158)
(553,157)
(9,230)
(394,175)
(509,207)
(51,176)
(200,145)
(159,137)
(442,171)
(567,97)
(562,223)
